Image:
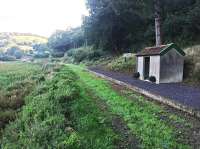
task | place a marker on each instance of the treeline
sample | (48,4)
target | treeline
(128,25)
(61,41)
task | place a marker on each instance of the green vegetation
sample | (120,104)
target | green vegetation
(29,39)
(59,113)
(64,107)
(61,41)
(16,81)
(42,122)
(11,73)
(192,65)
(123,26)
(20,40)
(90,57)
(139,114)
(83,55)
(122,64)
(92,124)
(16,45)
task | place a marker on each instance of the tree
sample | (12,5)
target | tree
(15,51)
(117,25)
(61,41)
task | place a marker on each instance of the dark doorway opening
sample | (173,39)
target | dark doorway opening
(146,67)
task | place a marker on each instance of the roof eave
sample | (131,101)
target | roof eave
(172,45)
(143,55)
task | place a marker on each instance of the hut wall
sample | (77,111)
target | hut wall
(155,67)
(140,66)
(171,67)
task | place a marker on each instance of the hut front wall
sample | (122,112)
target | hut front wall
(140,67)
(171,67)
(155,67)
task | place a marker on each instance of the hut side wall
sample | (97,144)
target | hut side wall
(171,67)
(155,67)
(140,67)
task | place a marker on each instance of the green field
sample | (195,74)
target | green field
(16,81)
(67,107)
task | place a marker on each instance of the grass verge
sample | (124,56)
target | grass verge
(92,124)
(141,118)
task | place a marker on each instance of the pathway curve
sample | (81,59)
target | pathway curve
(180,93)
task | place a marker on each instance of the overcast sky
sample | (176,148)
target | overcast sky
(41,17)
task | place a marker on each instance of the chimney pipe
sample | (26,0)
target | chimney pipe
(158,32)
(158,22)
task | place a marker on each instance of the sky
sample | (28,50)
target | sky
(42,17)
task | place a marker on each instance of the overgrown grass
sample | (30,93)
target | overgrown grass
(141,117)
(62,113)
(92,125)
(10,73)
(84,55)
(122,64)
(16,81)
(192,65)
(59,114)
(42,122)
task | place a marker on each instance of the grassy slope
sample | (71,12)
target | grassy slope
(192,65)
(139,115)
(23,41)
(85,57)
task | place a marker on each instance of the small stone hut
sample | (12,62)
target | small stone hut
(164,62)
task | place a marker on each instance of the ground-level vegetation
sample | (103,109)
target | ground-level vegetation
(59,113)
(92,57)
(16,81)
(144,119)
(67,107)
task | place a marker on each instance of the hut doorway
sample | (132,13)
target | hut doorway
(146,67)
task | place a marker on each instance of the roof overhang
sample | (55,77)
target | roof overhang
(163,51)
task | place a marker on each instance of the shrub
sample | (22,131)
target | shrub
(41,55)
(80,55)
(95,54)
(136,75)
(7,58)
(18,54)
(15,51)
(84,54)
(57,54)
(188,67)
(152,79)
(119,64)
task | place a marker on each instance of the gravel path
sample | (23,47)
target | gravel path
(180,93)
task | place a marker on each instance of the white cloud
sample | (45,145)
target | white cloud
(40,16)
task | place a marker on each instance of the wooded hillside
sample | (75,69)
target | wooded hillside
(127,25)
(23,41)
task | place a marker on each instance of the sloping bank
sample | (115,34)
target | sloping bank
(141,117)
(59,114)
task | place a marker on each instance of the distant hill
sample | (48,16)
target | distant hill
(24,41)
